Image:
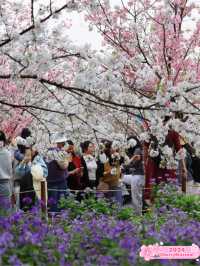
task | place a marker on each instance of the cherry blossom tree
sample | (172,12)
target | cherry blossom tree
(35,57)
(38,67)
(152,64)
(147,68)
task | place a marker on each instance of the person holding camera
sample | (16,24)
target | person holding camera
(25,176)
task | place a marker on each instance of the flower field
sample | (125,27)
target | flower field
(96,232)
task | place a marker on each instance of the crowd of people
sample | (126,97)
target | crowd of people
(103,167)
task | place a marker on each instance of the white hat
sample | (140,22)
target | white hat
(59,138)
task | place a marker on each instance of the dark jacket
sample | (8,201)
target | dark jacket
(85,177)
(55,173)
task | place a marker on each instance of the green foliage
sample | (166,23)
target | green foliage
(100,232)
(126,214)
(88,204)
(168,195)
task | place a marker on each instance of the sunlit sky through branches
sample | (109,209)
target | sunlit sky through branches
(80,34)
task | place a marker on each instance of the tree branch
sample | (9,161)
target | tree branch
(33,26)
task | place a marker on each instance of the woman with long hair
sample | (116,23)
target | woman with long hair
(89,164)
(111,171)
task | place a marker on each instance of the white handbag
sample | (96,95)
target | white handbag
(37,174)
